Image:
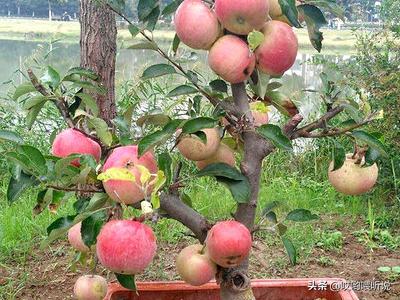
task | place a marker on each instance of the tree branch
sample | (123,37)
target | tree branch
(76,189)
(59,103)
(179,211)
(320,123)
(225,105)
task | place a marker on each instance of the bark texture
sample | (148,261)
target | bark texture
(98,51)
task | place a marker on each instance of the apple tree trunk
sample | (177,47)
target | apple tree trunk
(98,44)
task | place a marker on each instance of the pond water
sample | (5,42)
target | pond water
(15,55)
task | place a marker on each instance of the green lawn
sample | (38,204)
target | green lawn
(335,42)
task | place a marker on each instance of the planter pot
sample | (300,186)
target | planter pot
(271,289)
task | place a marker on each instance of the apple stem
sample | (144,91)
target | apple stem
(203,249)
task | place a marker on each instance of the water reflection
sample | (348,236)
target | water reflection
(16,55)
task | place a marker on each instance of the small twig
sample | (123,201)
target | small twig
(229,109)
(76,189)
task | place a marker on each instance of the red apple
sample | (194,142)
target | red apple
(352,178)
(230,58)
(90,287)
(126,247)
(196,24)
(194,266)
(224,154)
(228,243)
(75,238)
(193,148)
(277,53)
(71,141)
(242,16)
(125,191)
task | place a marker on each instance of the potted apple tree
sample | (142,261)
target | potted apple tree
(249,44)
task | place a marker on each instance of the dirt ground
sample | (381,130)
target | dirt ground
(47,276)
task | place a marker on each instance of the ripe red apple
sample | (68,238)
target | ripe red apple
(193,148)
(71,141)
(90,287)
(75,238)
(351,178)
(125,191)
(228,243)
(196,24)
(260,113)
(126,247)
(230,58)
(242,16)
(277,53)
(194,266)
(224,154)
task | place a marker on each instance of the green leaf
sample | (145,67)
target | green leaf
(175,44)
(153,18)
(282,229)
(45,198)
(81,204)
(51,77)
(23,89)
(83,72)
(134,30)
(18,185)
(255,39)
(240,190)
(36,159)
(102,130)
(371,156)
(330,5)
(236,182)
(182,90)
(289,9)
(165,164)
(314,19)
(273,85)
(90,103)
(145,8)
(221,170)
(276,136)
(157,71)
(10,136)
(290,249)
(91,227)
(63,166)
(371,141)
(97,201)
(153,139)
(197,124)
(127,281)
(301,215)
(339,156)
(61,223)
(270,206)
(271,216)
(219,85)
(153,119)
(33,101)
(171,7)
(144,45)
(32,115)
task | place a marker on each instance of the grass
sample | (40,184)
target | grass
(335,42)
